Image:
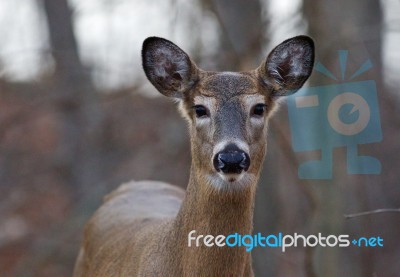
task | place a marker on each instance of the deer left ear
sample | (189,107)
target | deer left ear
(289,65)
(168,67)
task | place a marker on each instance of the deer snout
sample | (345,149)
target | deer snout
(231,160)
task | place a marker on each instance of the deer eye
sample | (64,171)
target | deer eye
(258,110)
(200,111)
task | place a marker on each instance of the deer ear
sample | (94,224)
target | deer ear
(289,65)
(168,67)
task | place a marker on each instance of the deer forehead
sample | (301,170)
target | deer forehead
(229,84)
(225,88)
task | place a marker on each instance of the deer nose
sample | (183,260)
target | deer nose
(231,161)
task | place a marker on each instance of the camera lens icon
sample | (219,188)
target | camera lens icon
(340,123)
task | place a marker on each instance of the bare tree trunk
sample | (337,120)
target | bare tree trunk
(242,30)
(335,26)
(63,43)
(79,156)
(355,26)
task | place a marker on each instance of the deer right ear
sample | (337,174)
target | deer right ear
(168,67)
(288,65)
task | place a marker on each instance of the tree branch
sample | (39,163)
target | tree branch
(378,211)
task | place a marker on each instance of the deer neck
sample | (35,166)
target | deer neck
(217,210)
(210,211)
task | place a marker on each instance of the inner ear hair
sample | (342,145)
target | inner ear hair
(289,65)
(168,67)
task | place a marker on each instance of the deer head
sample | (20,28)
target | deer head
(228,112)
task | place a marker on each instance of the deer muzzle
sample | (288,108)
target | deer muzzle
(231,160)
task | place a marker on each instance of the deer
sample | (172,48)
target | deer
(142,227)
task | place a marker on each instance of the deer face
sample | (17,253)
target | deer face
(228,112)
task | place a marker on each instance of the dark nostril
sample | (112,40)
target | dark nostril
(231,161)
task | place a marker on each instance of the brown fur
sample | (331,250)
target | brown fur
(142,228)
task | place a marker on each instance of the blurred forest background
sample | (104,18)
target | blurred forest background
(77,118)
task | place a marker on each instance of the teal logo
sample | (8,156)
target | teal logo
(345,114)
